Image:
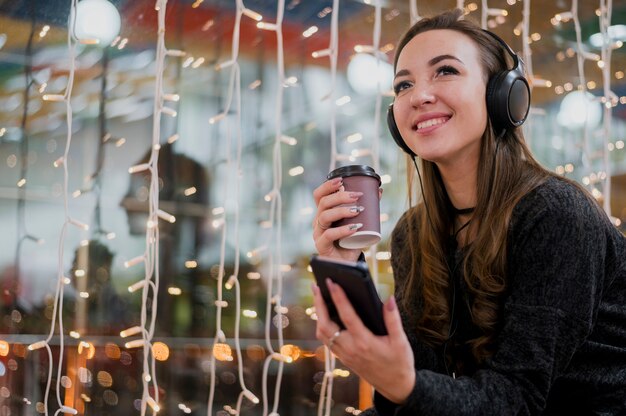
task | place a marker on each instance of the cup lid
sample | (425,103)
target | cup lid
(353,170)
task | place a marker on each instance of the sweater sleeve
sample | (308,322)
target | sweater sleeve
(555,268)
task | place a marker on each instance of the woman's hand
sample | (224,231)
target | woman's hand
(386,362)
(334,203)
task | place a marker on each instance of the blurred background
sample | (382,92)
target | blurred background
(573,129)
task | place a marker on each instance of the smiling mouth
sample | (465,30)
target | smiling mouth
(430,123)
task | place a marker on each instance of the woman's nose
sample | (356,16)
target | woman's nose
(421,95)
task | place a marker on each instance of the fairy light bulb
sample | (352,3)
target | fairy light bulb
(37,345)
(130,331)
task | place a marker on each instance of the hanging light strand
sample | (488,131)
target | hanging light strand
(57,311)
(580,60)
(234,89)
(150,284)
(325,399)
(415,17)
(332,52)
(275,234)
(610,99)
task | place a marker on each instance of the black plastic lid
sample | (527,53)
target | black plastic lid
(353,170)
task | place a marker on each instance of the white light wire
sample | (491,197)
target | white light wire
(234,87)
(415,17)
(333,47)
(376,137)
(526,50)
(581,55)
(325,400)
(606,11)
(275,256)
(58,297)
(151,255)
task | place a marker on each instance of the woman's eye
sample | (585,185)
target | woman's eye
(401,86)
(447,70)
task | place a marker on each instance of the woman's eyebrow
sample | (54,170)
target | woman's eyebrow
(402,73)
(431,62)
(439,58)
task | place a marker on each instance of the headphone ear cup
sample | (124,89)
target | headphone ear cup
(494,105)
(508,99)
(395,133)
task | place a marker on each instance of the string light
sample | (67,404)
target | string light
(131,331)
(136,286)
(134,261)
(175,53)
(221,350)
(166,216)
(606,8)
(139,168)
(53,97)
(67,409)
(252,14)
(322,53)
(609,98)
(58,297)
(138,343)
(291,141)
(267,26)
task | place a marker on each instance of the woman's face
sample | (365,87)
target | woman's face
(440,104)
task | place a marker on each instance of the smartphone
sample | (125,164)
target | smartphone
(354,278)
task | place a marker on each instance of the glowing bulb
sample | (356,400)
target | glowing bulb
(37,345)
(174,291)
(155,407)
(136,286)
(130,332)
(97,20)
(135,344)
(248,394)
(134,261)
(222,352)
(252,14)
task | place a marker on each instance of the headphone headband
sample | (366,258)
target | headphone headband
(517,61)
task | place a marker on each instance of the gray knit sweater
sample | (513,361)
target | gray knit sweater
(561,346)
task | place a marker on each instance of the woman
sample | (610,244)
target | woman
(510,281)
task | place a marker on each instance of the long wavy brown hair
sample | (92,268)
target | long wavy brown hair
(506,172)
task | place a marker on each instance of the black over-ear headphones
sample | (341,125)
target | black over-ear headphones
(508,98)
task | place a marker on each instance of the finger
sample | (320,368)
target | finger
(326,218)
(338,198)
(327,188)
(325,239)
(393,322)
(346,312)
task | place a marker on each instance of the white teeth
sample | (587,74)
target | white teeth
(431,122)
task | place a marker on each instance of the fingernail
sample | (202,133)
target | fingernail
(336,181)
(355,194)
(341,188)
(355,226)
(330,284)
(391,305)
(357,209)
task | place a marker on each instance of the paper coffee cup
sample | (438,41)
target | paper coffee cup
(361,178)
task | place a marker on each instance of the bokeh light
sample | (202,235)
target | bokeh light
(161,351)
